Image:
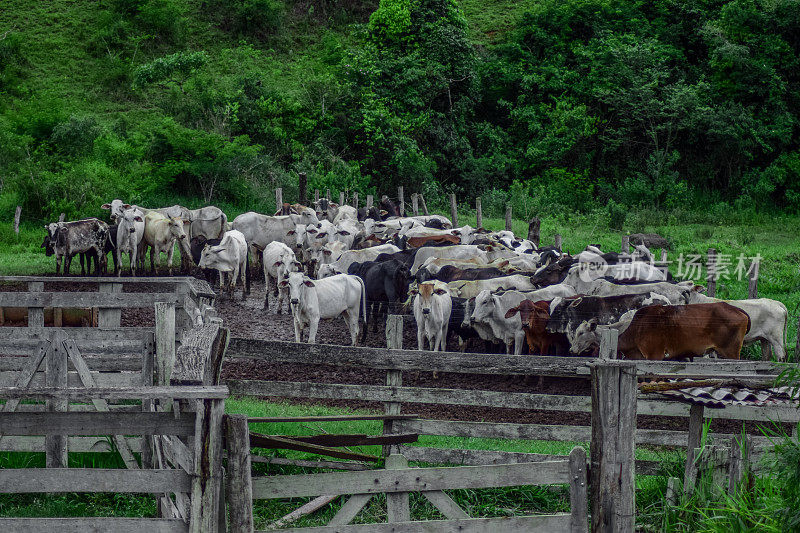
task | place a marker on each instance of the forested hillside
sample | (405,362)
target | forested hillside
(551,104)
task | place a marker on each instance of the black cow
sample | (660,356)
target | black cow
(450,273)
(390,207)
(434,223)
(386,284)
(554,272)
(196,246)
(373,213)
(405,256)
(567,315)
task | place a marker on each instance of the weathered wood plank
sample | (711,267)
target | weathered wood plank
(390,359)
(15,443)
(36,312)
(127,300)
(177,453)
(394,378)
(207,475)
(109,318)
(379,393)
(191,359)
(445,504)
(239,487)
(280,443)
(19,334)
(331,418)
(56,376)
(104,379)
(338,439)
(95,363)
(578,491)
(94,423)
(82,525)
(340,465)
(165,340)
(529,524)
(25,376)
(308,508)
(126,393)
(694,436)
(398,508)
(47,480)
(350,509)
(411,480)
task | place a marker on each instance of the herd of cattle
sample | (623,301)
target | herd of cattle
(330,260)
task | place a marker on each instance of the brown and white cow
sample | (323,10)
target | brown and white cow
(674,332)
(534,317)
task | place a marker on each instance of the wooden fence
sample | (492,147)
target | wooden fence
(182,474)
(396,361)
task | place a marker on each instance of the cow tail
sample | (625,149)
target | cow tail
(363,299)
(247,272)
(223,227)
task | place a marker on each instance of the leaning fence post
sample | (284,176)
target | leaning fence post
(239,486)
(508,217)
(165,340)
(612,447)
(394,378)
(424,205)
(695,435)
(478,213)
(453,209)
(56,377)
(711,278)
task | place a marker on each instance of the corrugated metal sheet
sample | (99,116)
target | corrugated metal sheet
(721,396)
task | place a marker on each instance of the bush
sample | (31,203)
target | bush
(75,136)
(616,215)
(254,18)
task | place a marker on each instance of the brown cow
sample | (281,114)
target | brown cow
(674,332)
(418,242)
(534,317)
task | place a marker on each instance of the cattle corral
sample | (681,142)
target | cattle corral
(465,395)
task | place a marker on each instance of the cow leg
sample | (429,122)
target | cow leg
(170,253)
(351,317)
(82,258)
(67,262)
(313,324)
(519,338)
(267,278)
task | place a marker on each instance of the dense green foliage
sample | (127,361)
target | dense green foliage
(552,105)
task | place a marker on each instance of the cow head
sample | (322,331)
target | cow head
(485,304)
(584,337)
(297,283)
(326,271)
(426,292)
(117,207)
(176,228)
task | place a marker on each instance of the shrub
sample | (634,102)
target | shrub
(75,136)
(616,215)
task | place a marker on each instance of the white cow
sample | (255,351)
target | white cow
(312,300)
(326,255)
(347,231)
(229,257)
(130,232)
(471,289)
(346,212)
(160,234)
(450,252)
(768,320)
(260,230)
(278,260)
(432,308)
(677,293)
(424,219)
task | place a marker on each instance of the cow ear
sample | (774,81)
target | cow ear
(284,283)
(343,232)
(511,312)
(126,206)
(137,218)
(440,291)
(322,235)
(277,263)
(326,252)
(105,206)
(308,283)
(291,232)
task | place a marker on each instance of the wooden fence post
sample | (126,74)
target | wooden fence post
(478,213)
(401,201)
(341,198)
(663,255)
(424,205)
(394,378)
(578,497)
(328,194)
(397,503)
(557,241)
(534,226)
(738,461)
(35,314)
(626,244)
(355,199)
(279,200)
(453,209)
(609,338)
(61,217)
(672,491)
(612,447)
(508,217)
(370,200)
(56,377)
(165,340)
(17,214)
(316,197)
(239,485)
(207,475)
(695,435)
(711,278)
(109,318)
(415,204)
(302,180)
